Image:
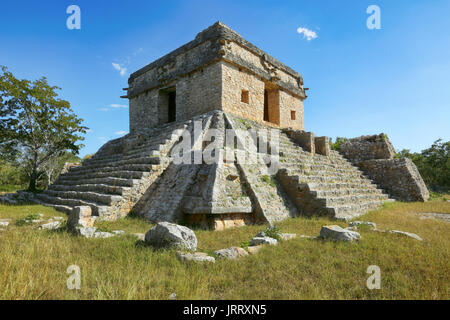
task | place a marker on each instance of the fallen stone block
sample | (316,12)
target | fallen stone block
(231,253)
(254,249)
(50,226)
(196,257)
(4,223)
(337,233)
(140,236)
(288,236)
(409,234)
(357,224)
(263,240)
(102,234)
(166,235)
(87,232)
(118,232)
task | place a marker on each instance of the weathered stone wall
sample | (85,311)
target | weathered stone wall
(209,73)
(235,79)
(196,93)
(289,103)
(304,139)
(399,177)
(368,148)
(375,156)
(144,111)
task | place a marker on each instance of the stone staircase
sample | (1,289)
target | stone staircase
(326,185)
(315,184)
(113,180)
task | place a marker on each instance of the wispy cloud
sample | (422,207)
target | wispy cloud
(119,67)
(113,106)
(307,34)
(121,132)
(102,139)
(118,106)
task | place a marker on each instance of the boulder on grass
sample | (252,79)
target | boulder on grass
(408,234)
(357,224)
(231,253)
(263,240)
(167,235)
(196,257)
(337,233)
(50,226)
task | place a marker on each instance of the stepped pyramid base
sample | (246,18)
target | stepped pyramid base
(140,174)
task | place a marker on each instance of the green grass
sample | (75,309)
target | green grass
(33,263)
(5,188)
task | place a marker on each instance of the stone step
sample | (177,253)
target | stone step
(352,199)
(102,198)
(141,153)
(347,212)
(321,170)
(100,188)
(148,159)
(338,186)
(344,192)
(112,174)
(331,179)
(61,208)
(128,167)
(110,181)
(97,209)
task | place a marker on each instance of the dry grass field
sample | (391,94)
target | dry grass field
(33,263)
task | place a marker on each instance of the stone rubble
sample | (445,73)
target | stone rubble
(357,224)
(231,253)
(166,235)
(196,257)
(337,233)
(408,234)
(50,225)
(263,240)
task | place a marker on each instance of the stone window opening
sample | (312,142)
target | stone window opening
(292,115)
(245,96)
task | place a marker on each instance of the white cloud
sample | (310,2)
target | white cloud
(117,106)
(121,132)
(307,34)
(113,106)
(122,70)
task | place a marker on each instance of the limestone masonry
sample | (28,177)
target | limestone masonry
(220,81)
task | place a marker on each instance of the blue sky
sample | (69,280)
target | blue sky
(394,80)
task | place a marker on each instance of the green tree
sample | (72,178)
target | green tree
(34,121)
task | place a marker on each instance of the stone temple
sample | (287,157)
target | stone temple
(221,81)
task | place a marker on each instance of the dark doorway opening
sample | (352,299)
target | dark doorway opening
(167,109)
(271,104)
(266,106)
(172,109)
